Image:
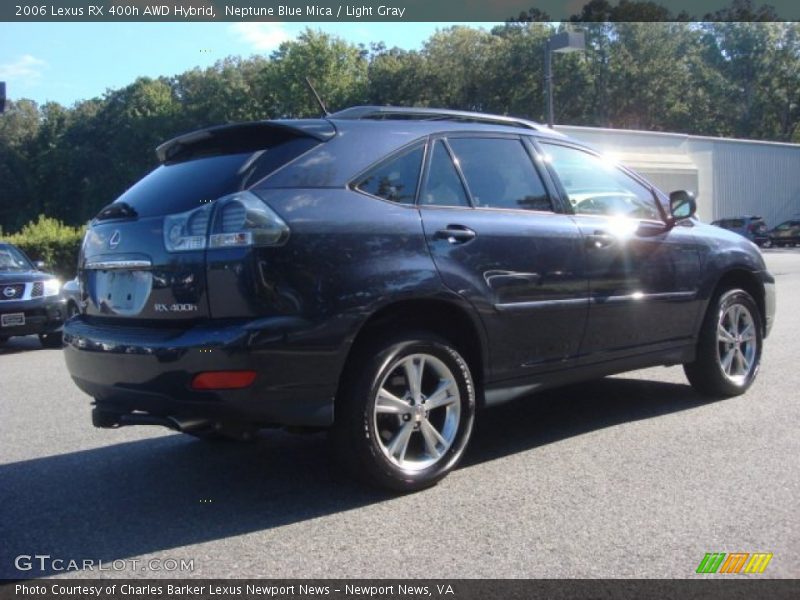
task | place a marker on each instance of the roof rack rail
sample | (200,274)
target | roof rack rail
(433,114)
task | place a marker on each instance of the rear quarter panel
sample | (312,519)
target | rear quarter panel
(347,255)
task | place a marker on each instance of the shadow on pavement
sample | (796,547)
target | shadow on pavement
(152,495)
(16,345)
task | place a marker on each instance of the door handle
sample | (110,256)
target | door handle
(599,239)
(456,234)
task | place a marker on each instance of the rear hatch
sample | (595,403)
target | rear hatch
(144,255)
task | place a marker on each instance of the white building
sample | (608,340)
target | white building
(730,177)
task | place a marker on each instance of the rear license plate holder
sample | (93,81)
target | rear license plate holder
(122,292)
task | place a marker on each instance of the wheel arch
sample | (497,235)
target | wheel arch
(746,279)
(445,317)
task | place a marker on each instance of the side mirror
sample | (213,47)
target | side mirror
(682,205)
(2,96)
(40,264)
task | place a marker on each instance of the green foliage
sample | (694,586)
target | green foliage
(727,77)
(51,241)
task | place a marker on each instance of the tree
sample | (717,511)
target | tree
(726,78)
(397,77)
(337,69)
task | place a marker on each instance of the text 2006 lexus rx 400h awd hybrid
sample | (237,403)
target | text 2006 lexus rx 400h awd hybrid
(384,272)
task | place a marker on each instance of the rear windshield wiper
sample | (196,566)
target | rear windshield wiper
(117,210)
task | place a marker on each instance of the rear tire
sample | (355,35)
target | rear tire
(51,340)
(405,411)
(729,348)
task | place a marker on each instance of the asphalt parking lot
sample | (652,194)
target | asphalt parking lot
(629,476)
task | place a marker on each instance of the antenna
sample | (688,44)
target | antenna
(325,112)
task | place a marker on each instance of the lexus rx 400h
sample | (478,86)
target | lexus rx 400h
(384,272)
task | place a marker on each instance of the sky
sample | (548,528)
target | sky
(67,62)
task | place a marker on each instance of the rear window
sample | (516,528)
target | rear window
(182,186)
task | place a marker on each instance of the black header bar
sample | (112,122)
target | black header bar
(741,587)
(393,10)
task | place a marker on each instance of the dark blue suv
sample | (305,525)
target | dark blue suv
(383,272)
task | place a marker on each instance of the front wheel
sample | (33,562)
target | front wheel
(405,412)
(729,347)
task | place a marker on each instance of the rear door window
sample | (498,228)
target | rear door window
(443,186)
(500,173)
(395,179)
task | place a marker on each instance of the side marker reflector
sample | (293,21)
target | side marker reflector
(223,380)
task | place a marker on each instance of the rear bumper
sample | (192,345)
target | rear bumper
(42,315)
(150,369)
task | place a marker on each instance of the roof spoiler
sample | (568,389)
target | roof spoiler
(241,137)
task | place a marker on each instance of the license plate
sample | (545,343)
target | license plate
(12,320)
(122,292)
(122,286)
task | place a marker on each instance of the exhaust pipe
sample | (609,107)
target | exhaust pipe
(186,424)
(111,420)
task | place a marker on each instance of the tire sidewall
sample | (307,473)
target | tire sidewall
(377,463)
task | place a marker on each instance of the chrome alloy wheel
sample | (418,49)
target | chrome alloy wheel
(417,411)
(736,343)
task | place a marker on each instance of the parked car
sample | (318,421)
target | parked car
(786,234)
(753,228)
(30,299)
(71,291)
(384,272)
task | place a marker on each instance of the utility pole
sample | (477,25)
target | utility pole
(566,41)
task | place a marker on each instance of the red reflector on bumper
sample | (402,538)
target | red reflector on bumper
(223,380)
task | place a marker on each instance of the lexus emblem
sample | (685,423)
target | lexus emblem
(113,241)
(9,292)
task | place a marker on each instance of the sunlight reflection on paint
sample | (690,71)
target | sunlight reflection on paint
(622,227)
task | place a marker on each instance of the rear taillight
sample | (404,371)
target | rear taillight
(240,219)
(187,231)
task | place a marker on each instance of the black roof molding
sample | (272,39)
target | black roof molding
(434,114)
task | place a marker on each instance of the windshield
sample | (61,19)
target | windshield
(12,259)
